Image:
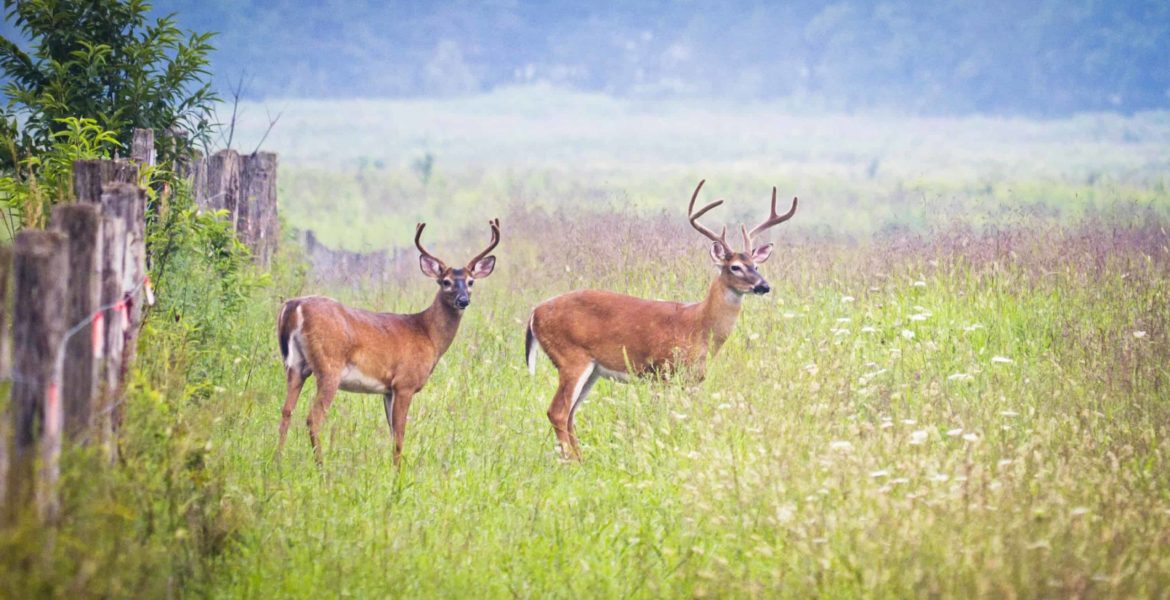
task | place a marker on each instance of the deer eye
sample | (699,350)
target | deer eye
(470,282)
(736,269)
(446,283)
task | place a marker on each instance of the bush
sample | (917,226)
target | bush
(102,60)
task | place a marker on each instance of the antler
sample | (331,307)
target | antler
(418,229)
(694,218)
(495,225)
(772,220)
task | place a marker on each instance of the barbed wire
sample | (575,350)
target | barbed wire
(121,307)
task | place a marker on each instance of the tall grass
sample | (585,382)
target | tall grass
(961,413)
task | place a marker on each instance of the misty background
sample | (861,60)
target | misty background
(1051,57)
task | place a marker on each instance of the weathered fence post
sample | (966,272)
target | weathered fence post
(114,319)
(89,176)
(5,416)
(128,203)
(41,268)
(81,223)
(5,276)
(258,226)
(222,183)
(142,147)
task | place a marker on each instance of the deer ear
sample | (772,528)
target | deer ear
(762,253)
(718,253)
(431,267)
(483,267)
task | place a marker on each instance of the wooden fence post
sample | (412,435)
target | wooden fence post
(41,268)
(90,175)
(5,307)
(142,147)
(112,290)
(258,226)
(222,181)
(81,223)
(5,415)
(128,203)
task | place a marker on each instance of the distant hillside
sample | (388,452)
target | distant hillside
(919,56)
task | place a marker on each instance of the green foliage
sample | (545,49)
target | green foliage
(40,180)
(156,523)
(102,60)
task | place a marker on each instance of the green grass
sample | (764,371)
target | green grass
(958,386)
(972,416)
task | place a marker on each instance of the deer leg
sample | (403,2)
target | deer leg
(397,403)
(326,390)
(584,386)
(573,380)
(296,382)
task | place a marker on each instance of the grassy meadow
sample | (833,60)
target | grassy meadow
(959,385)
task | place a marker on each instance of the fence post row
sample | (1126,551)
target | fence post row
(244,186)
(85,277)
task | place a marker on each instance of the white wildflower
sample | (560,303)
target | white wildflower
(959,377)
(919,283)
(868,329)
(840,446)
(1002,360)
(956,432)
(1139,334)
(971,437)
(1009,413)
(918,437)
(919,317)
(846,299)
(972,327)
(879,473)
(906,333)
(789,315)
(1078,511)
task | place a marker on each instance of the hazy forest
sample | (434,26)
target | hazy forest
(958,384)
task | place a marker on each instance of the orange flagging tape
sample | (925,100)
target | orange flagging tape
(99,334)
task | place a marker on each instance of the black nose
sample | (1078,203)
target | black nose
(762,288)
(463,302)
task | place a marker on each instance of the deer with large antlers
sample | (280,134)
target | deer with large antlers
(589,334)
(367,352)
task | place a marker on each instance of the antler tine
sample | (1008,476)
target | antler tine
(694,218)
(418,230)
(773,219)
(495,225)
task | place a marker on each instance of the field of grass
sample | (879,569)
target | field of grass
(961,415)
(958,386)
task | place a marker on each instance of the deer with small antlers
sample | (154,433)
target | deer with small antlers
(589,334)
(367,352)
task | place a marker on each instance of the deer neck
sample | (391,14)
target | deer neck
(441,323)
(719,312)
